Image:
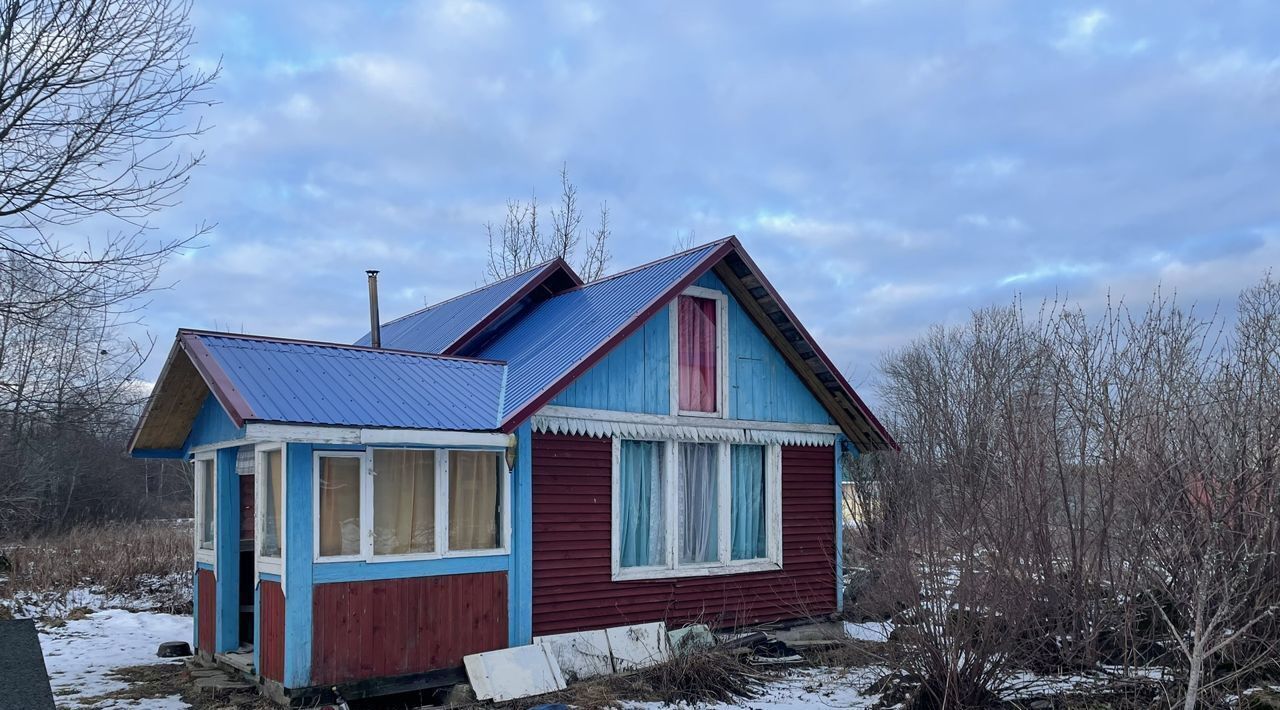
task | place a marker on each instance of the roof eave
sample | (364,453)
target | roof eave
(557,264)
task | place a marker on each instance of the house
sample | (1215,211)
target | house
(534,457)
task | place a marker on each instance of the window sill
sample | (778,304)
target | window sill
(270,565)
(705,415)
(385,559)
(207,556)
(708,570)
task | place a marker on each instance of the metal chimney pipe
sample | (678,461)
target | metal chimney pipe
(375,324)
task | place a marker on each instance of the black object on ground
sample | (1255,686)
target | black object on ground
(174,649)
(24,684)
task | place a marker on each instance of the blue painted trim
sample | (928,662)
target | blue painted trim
(520,578)
(205,565)
(297,578)
(268,577)
(227,630)
(158,453)
(327,572)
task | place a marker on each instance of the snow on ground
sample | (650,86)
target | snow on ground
(81,654)
(804,688)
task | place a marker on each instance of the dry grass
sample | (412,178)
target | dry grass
(709,676)
(140,566)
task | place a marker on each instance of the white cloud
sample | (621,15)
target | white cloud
(1082,28)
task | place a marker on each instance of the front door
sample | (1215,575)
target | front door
(247,493)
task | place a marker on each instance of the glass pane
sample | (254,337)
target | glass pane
(339,506)
(204,474)
(642,541)
(474,491)
(747,520)
(699,494)
(271,493)
(697,353)
(404,501)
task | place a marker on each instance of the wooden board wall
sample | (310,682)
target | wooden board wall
(271,630)
(572,585)
(395,627)
(207,611)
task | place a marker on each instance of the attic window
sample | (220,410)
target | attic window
(698,358)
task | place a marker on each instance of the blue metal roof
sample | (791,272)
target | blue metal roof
(436,327)
(322,383)
(558,334)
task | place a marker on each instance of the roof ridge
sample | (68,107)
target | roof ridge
(475,290)
(655,262)
(342,346)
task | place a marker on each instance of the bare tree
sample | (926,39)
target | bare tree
(94,100)
(518,243)
(1079,490)
(96,104)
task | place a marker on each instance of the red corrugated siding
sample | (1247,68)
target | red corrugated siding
(398,626)
(572,589)
(271,631)
(207,615)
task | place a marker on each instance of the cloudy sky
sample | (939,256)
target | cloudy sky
(888,164)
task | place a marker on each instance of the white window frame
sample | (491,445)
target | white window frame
(210,555)
(724,534)
(270,565)
(722,352)
(442,550)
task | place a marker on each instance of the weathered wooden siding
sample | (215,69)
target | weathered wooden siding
(271,630)
(206,609)
(212,425)
(572,586)
(398,626)
(636,375)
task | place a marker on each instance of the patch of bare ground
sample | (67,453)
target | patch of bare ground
(169,679)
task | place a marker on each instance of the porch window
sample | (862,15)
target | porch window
(725,497)
(698,368)
(475,492)
(397,504)
(339,506)
(404,501)
(270,502)
(205,491)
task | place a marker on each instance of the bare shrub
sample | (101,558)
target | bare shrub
(141,566)
(1076,491)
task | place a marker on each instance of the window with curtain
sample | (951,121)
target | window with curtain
(698,501)
(643,533)
(695,508)
(698,361)
(339,504)
(205,477)
(271,494)
(404,501)
(475,489)
(747,497)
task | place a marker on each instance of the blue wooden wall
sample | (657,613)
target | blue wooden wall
(636,375)
(212,425)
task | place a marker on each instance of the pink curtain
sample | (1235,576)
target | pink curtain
(697,351)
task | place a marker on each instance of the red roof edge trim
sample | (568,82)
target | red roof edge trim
(228,396)
(791,316)
(547,270)
(634,323)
